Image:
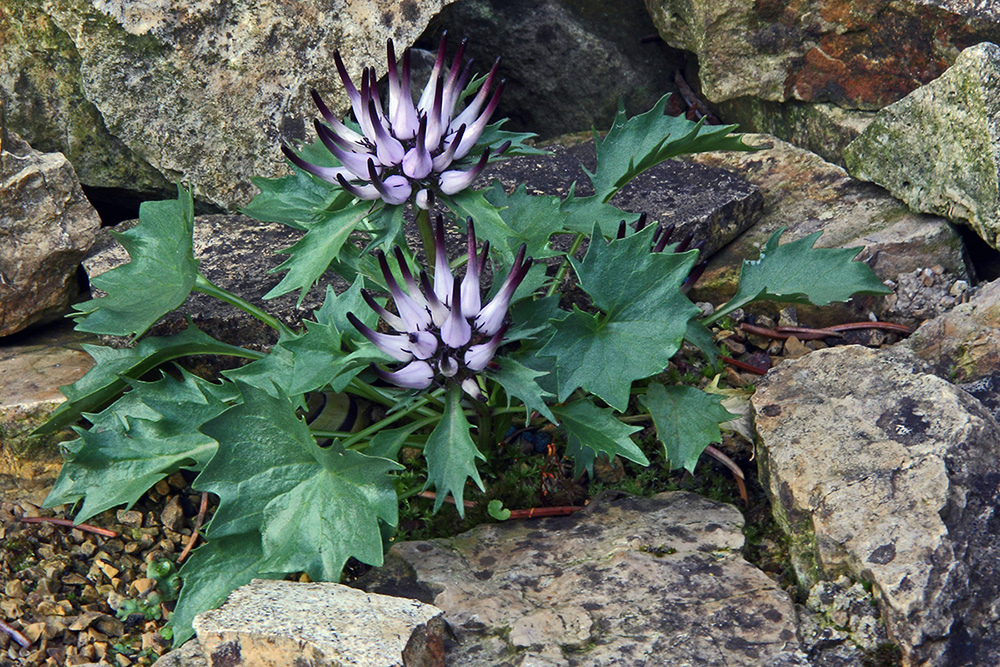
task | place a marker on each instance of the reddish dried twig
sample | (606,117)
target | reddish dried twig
(15,635)
(86,527)
(887,326)
(197,526)
(783,333)
(430,495)
(538,512)
(735,469)
(743,366)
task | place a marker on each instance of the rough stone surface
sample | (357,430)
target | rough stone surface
(288,624)
(711,203)
(883,472)
(200,91)
(30,372)
(46,228)
(963,344)
(628,581)
(824,129)
(567,62)
(806,194)
(858,54)
(938,149)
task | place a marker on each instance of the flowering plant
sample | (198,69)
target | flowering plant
(443,367)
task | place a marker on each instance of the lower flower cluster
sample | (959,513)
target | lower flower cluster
(442,330)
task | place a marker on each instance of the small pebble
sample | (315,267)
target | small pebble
(130,518)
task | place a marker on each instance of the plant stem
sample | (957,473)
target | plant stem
(386,421)
(564,266)
(205,286)
(426,234)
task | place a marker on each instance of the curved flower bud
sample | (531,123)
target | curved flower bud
(448,366)
(479,356)
(394,321)
(423,199)
(339,128)
(423,344)
(491,317)
(455,181)
(475,130)
(456,332)
(439,311)
(330,174)
(417,374)
(417,163)
(394,190)
(396,346)
(471,298)
(443,279)
(413,316)
(471,387)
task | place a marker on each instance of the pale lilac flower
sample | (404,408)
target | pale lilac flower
(409,149)
(442,333)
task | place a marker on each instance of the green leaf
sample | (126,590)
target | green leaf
(633,145)
(644,321)
(147,434)
(293,200)
(489,225)
(698,335)
(114,366)
(336,306)
(213,571)
(158,278)
(297,363)
(687,421)
(310,257)
(796,272)
(387,227)
(582,213)
(493,136)
(532,219)
(519,382)
(497,510)
(532,316)
(593,431)
(315,507)
(451,454)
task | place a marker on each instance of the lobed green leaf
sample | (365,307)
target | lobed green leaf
(451,454)
(592,431)
(158,278)
(687,421)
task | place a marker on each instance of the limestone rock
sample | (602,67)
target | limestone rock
(964,343)
(287,624)
(200,91)
(47,226)
(882,472)
(806,194)
(567,62)
(938,149)
(626,581)
(857,54)
(824,129)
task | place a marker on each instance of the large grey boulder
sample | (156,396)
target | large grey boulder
(938,149)
(627,581)
(567,62)
(857,54)
(46,228)
(201,92)
(885,473)
(807,194)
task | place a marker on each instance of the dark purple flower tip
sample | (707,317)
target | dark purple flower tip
(685,242)
(396,346)
(662,237)
(640,224)
(394,321)
(366,192)
(502,148)
(621,230)
(329,174)
(453,181)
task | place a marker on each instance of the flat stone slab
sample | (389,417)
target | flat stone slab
(713,204)
(30,373)
(885,473)
(627,581)
(289,624)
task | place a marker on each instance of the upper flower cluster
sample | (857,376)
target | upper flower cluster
(442,329)
(410,148)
